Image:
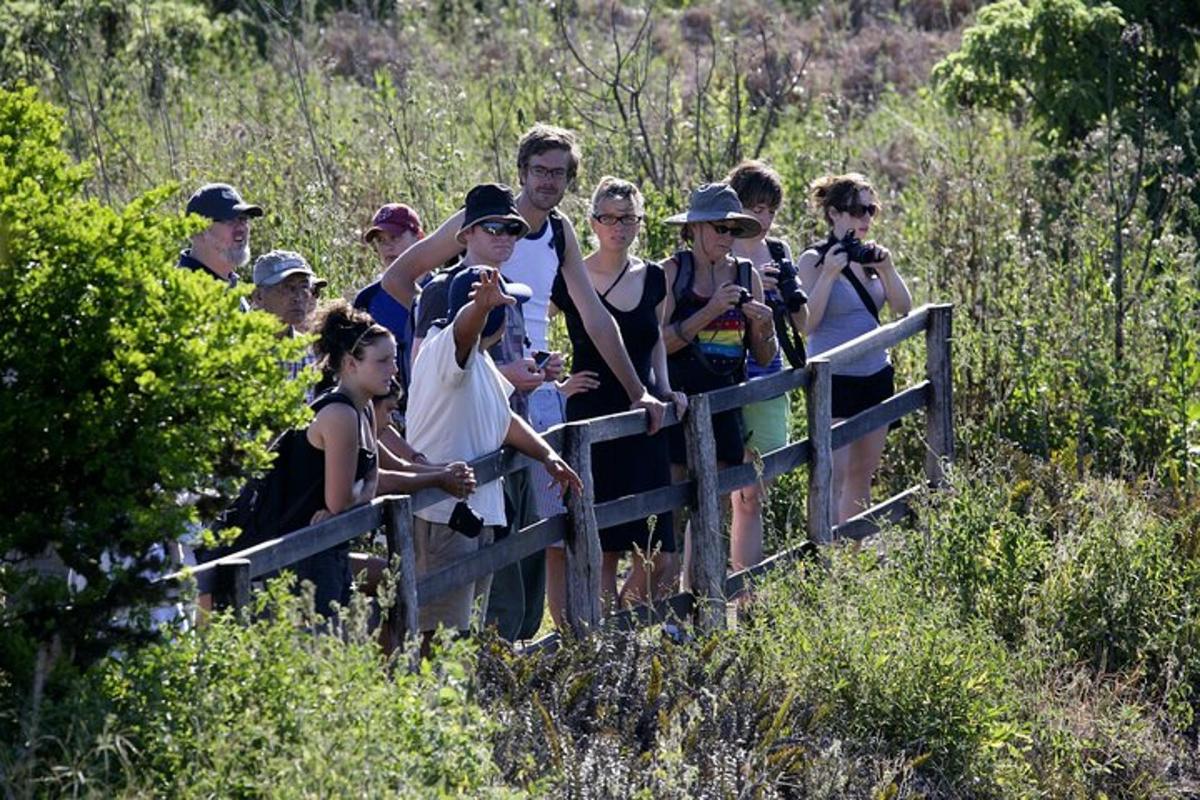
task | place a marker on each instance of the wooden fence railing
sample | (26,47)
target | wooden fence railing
(229,578)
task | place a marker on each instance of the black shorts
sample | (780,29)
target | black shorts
(853,394)
(730,435)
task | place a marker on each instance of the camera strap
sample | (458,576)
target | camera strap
(859,289)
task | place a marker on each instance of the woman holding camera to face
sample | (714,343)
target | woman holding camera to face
(849,278)
(715,315)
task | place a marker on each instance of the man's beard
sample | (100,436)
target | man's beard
(238,255)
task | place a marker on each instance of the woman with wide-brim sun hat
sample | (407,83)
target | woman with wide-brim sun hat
(715,313)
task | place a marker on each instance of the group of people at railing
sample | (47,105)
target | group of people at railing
(448,357)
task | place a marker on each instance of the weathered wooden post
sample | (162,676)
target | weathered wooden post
(583,536)
(398,527)
(939,412)
(707,575)
(818,396)
(233,584)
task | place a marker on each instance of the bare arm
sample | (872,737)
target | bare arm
(895,290)
(526,440)
(401,276)
(471,318)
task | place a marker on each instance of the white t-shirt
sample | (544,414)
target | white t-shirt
(534,262)
(458,414)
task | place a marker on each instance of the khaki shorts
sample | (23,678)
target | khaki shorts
(437,547)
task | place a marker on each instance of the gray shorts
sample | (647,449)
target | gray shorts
(437,547)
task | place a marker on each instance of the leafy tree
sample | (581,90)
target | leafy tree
(1052,56)
(128,388)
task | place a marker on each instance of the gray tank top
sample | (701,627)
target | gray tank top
(846,318)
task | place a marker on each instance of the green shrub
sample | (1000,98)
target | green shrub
(129,388)
(268,709)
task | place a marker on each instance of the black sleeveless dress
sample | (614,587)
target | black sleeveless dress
(329,571)
(637,463)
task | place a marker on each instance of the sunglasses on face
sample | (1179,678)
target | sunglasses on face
(859,210)
(542,173)
(610,220)
(497,228)
(727,230)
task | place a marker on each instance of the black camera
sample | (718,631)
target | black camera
(744,297)
(788,286)
(860,251)
(464,520)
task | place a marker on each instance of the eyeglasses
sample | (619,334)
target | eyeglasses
(497,228)
(542,173)
(728,230)
(859,209)
(612,219)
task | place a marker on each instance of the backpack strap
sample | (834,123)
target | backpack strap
(685,275)
(558,236)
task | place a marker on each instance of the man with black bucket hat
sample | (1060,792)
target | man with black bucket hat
(547,163)
(458,406)
(224,246)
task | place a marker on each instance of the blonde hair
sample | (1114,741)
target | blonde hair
(611,188)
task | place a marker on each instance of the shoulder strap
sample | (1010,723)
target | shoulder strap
(559,236)
(685,274)
(330,397)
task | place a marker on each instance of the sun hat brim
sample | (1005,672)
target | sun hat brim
(749,225)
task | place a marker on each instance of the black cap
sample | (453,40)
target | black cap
(490,201)
(220,202)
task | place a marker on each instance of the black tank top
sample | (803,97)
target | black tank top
(306,475)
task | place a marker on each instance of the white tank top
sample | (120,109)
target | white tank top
(534,262)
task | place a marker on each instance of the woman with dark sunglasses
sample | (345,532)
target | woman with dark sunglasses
(849,278)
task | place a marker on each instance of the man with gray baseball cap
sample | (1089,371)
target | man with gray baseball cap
(286,286)
(224,245)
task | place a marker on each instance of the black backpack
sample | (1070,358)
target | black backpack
(261,507)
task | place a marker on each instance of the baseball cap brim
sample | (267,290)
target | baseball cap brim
(278,277)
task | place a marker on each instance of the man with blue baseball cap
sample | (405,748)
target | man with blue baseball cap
(224,245)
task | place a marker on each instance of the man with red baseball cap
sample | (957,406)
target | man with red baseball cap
(394,228)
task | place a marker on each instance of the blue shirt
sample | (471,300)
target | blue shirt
(391,314)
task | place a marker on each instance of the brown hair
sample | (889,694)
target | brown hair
(343,330)
(541,138)
(837,192)
(756,184)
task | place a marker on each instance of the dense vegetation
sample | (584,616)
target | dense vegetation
(1035,633)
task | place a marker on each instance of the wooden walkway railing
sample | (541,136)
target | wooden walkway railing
(229,578)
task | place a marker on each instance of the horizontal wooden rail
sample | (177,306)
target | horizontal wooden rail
(882,338)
